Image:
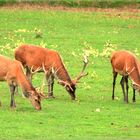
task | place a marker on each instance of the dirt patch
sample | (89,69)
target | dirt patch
(27,6)
(124,13)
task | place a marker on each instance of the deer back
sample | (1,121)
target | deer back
(123,62)
(36,57)
(8,69)
(30,55)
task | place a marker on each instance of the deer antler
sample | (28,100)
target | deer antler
(65,84)
(44,68)
(81,73)
(60,81)
(33,72)
(53,72)
(41,89)
(41,94)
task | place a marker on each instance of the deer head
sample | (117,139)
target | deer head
(34,97)
(71,87)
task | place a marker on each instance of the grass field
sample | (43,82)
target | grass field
(94,115)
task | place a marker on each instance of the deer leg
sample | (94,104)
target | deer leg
(134,99)
(122,85)
(28,74)
(114,82)
(50,81)
(16,90)
(12,90)
(127,87)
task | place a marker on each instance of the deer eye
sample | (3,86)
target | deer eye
(36,100)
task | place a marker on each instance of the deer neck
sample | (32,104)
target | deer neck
(63,75)
(24,83)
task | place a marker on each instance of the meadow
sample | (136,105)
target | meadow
(72,33)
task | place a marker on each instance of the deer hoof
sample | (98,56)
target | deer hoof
(133,100)
(50,97)
(126,102)
(13,106)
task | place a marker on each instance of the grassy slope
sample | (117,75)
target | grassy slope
(62,118)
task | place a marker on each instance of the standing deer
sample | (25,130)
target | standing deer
(127,65)
(38,59)
(12,72)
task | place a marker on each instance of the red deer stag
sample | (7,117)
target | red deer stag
(12,72)
(126,64)
(38,59)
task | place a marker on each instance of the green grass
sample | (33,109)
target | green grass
(94,115)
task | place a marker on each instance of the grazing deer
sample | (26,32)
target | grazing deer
(12,72)
(38,59)
(127,65)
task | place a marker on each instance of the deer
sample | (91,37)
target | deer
(12,72)
(38,59)
(127,65)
